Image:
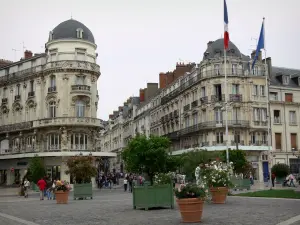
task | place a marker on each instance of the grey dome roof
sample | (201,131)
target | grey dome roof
(67,29)
(217,48)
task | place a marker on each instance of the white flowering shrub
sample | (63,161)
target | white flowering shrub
(164,178)
(216,174)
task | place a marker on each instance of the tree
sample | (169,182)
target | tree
(239,161)
(280,170)
(81,168)
(190,160)
(149,156)
(36,169)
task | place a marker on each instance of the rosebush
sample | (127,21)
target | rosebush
(62,186)
(190,191)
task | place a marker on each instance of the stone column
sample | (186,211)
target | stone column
(63,169)
(260,169)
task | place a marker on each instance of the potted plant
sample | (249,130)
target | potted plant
(280,170)
(82,170)
(61,191)
(190,200)
(216,175)
(150,156)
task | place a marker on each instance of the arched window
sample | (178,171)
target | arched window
(80,108)
(53,142)
(79,141)
(52,81)
(52,109)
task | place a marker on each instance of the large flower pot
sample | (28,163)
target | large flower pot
(219,194)
(62,197)
(190,209)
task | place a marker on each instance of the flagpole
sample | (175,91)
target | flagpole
(226,112)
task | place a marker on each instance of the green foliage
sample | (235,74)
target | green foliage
(272,194)
(81,168)
(190,160)
(37,169)
(238,158)
(280,170)
(163,178)
(149,156)
(190,191)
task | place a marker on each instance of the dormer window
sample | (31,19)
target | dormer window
(50,35)
(255,70)
(79,33)
(286,80)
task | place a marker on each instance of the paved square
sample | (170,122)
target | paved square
(115,207)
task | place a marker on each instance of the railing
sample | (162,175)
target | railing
(214,143)
(260,123)
(293,123)
(194,104)
(204,99)
(31,94)
(21,74)
(277,120)
(51,89)
(235,98)
(240,142)
(17,97)
(72,64)
(81,87)
(258,143)
(77,147)
(218,98)
(4,100)
(186,107)
(53,148)
(16,126)
(60,121)
(203,144)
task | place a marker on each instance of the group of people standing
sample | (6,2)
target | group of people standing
(108,181)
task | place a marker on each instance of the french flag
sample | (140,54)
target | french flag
(226,33)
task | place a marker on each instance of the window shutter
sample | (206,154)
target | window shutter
(278,140)
(294,141)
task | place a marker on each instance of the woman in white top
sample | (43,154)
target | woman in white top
(26,187)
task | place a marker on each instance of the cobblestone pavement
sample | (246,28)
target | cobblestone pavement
(115,207)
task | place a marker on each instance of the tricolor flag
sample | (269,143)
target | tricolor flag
(226,33)
(261,42)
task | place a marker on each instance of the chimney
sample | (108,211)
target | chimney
(142,95)
(27,54)
(111,116)
(209,43)
(120,108)
(253,54)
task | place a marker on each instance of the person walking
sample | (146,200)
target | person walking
(26,187)
(273,177)
(125,183)
(42,186)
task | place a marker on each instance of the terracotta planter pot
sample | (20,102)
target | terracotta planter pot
(219,194)
(190,209)
(62,197)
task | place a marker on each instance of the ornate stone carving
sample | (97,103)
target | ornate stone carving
(64,138)
(30,104)
(17,107)
(65,77)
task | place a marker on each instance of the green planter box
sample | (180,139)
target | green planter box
(241,184)
(83,191)
(145,197)
(279,180)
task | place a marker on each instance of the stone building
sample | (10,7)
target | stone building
(49,104)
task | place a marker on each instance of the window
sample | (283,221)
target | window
(253,138)
(203,92)
(219,137)
(262,90)
(288,97)
(52,109)
(203,116)
(278,141)
(52,81)
(31,86)
(255,90)
(195,119)
(237,137)
(293,119)
(79,33)
(53,142)
(80,108)
(53,56)
(234,69)
(276,116)
(18,89)
(218,115)
(217,69)
(79,141)
(263,112)
(4,93)
(194,95)
(187,121)
(80,56)
(294,141)
(273,96)
(264,138)
(286,80)
(235,89)
(80,80)
(256,114)
(255,71)
(235,113)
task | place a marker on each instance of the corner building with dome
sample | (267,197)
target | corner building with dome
(49,104)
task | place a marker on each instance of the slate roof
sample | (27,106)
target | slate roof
(278,72)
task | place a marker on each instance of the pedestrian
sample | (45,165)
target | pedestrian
(291,179)
(53,189)
(273,177)
(125,183)
(26,187)
(42,186)
(130,181)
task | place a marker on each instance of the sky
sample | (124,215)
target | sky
(138,39)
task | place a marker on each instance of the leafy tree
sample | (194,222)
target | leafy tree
(81,168)
(36,169)
(239,161)
(149,156)
(190,160)
(280,170)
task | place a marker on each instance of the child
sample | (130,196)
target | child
(49,193)
(125,183)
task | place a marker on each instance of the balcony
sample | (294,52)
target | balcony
(81,88)
(53,148)
(215,143)
(235,98)
(4,100)
(51,89)
(233,143)
(79,147)
(260,123)
(68,121)
(16,127)
(229,72)
(186,107)
(218,98)
(17,97)
(204,100)
(31,94)
(258,143)
(194,104)
(293,123)
(277,120)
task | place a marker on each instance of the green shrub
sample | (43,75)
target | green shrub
(280,170)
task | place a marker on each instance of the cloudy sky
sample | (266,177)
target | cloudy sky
(137,39)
